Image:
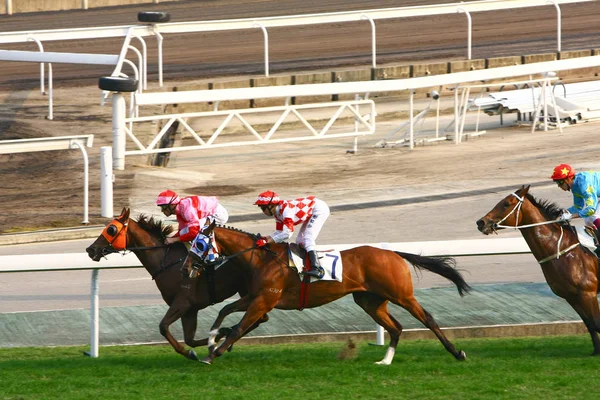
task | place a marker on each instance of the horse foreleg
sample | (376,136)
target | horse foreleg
(586,305)
(238,305)
(412,305)
(175,312)
(255,311)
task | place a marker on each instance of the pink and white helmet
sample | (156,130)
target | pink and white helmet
(167,197)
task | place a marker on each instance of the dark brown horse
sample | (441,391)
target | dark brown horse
(570,269)
(184,296)
(373,276)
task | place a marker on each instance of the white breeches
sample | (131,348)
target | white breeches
(307,235)
(220,216)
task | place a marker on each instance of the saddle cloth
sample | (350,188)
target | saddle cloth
(586,237)
(330,260)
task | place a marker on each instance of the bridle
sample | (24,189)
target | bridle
(116,236)
(517,208)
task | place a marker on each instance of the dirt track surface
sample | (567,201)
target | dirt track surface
(514,32)
(44,189)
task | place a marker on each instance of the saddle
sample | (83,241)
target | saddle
(331,262)
(589,238)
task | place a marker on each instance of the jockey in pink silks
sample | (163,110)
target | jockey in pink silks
(191,212)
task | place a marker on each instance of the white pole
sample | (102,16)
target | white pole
(94,315)
(266,40)
(469,35)
(85,182)
(373,40)
(84,4)
(9,7)
(50,93)
(456,133)
(106,182)
(411,128)
(118,126)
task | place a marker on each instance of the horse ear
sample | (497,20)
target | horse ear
(525,189)
(125,214)
(211,227)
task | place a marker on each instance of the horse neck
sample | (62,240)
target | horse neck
(232,242)
(542,239)
(138,237)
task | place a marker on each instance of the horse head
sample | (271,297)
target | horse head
(231,243)
(113,238)
(507,211)
(197,258)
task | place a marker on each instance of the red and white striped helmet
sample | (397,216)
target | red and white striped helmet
(167,197)
(267,198)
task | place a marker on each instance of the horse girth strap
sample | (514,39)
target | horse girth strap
(557,255)
(209,271)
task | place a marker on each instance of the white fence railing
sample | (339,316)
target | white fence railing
(81,261)
(263,23)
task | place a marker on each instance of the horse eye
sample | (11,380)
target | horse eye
(112,230)
(506,204)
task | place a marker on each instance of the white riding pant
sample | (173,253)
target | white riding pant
(221,216)
(307,235)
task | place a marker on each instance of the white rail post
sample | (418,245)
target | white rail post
(106,182)
(94,315)
(469,35)
(373,39)
(118,127)
(558,24)
(84,4)
(411,122)
(85,181)
(266,39)
(9,10)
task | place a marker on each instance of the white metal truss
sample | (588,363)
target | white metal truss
(360,113)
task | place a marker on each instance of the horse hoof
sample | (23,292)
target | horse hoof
(229,349)
(192,355)
(462,356)
(206,360)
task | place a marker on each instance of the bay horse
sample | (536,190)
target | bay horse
(185,297)
(570,269)
(373,276)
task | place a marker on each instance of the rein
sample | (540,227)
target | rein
(517,208)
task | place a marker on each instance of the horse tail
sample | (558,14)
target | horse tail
(444,266)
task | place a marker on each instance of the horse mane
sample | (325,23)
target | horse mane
(231,228)
(154,226)
(548,209)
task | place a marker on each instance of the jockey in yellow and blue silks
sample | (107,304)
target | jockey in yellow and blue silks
(585,187)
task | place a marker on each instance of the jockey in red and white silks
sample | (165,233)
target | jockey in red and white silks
(191,212)
(308,211)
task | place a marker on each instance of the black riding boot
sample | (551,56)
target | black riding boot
(315,266)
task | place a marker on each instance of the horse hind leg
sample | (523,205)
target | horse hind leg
(412,306)
(376,307)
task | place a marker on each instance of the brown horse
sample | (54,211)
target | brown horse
(184,296)
(570,269)
(373,276)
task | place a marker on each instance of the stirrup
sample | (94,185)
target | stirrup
(316,272)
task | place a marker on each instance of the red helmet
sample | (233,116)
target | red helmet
(562,171)
(167,197)
(267,198)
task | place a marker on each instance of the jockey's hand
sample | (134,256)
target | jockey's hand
(171,240)
(260,242)
(565,216)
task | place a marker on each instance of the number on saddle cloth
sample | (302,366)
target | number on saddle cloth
(331,262)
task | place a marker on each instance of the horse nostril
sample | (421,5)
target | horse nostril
(480,223)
